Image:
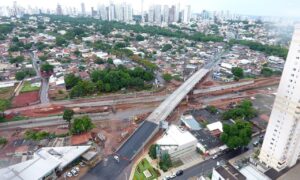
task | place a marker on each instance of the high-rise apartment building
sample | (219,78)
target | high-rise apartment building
(281,146)
(157,14)
(187,14)
(59,9)
(166,14)
(83,9)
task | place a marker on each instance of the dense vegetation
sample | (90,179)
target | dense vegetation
(236,135)
(242,111)
(6,28)
(165,162)
(268,49)
(81,125)
(109,80)
(105,27)
(237,72)
(20,75)
(267,72)
(152,151)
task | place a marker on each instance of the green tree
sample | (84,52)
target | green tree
(236,135)
(3,141)
(4,104)
(237,72)
(43,58)
(110,61)
(81,125)
(167,77)
(166,47)
(165,162)
(152,151)
(71,80)
(48,68)
(212,109)
(77,53)
(243,111)
(60,41)
(15,39)
(68,116)
(140,38)
(18,59)
(267,72)
(20,75)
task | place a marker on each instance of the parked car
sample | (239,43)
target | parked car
(74,172)
(255,143)
(76,168)
(179,173)
(215,156)
(81,164)
(173,176)
(69,174)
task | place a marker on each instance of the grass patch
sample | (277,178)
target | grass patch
(16,118)
(27,87)
(6,93)
(143,166)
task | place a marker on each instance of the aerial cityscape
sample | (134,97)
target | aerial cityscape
(149,90)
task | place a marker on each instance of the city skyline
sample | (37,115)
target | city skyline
(256,8)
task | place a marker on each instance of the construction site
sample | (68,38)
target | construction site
(116,117)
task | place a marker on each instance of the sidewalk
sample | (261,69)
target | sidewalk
(191,162)
(187,165)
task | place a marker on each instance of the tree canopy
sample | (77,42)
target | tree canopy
(48,68)
(167,77)
(237,72)
(242,111)
(81,125)
(236,135)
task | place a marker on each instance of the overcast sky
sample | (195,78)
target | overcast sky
(249,7)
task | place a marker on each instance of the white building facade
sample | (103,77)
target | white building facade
(281,146)
(177,143)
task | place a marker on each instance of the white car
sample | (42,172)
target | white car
(215,156)
(69,174)
(117,158)
(74,172)
(76,168)
(81,164)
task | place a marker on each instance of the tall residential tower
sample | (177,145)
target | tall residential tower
(281,146)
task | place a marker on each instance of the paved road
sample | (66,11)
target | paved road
(110,169)
(44,81)
(218,88)
(205,167)
(57,120)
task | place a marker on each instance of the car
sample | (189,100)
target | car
(167,178)
(117,158)
(255,143)
(215,156)
(82,164)
(173,176)
(179,172)
(76,168)
(74,172)
(69,174)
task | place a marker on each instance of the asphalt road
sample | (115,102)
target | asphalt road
(57,120)
(110,169)
(44,81)
(205,167)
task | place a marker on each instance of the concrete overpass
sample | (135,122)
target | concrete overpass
(110,169)
(172,101)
